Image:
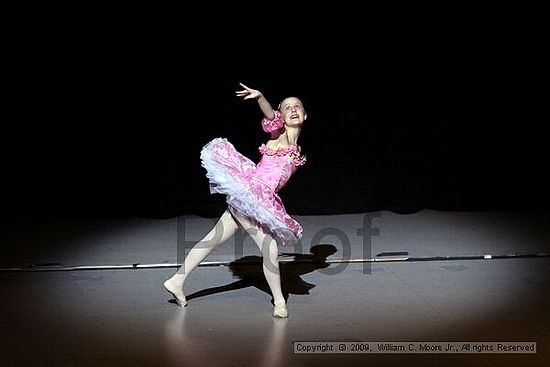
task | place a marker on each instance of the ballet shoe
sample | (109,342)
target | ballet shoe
(280,311)
(177,292)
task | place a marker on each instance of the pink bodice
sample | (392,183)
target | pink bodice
(252,188)
(277,165)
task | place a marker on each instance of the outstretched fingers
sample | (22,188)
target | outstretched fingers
(244,86)
(247,92)
(243,93)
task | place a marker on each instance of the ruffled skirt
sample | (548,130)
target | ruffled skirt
(232,174)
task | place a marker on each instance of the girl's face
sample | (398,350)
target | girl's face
(292,111)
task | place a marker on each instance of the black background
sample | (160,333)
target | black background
(110,124)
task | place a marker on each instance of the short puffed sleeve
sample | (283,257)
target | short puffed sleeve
(272,125)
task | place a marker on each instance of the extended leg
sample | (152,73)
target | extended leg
(223,230)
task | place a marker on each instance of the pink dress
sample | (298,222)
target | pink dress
(252,188)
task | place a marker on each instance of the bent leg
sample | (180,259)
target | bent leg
(270,254)
(222,231)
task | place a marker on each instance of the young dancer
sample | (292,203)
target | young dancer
(251,193)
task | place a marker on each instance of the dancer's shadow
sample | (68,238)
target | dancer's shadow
(249,270)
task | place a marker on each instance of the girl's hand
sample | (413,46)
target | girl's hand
(248,93)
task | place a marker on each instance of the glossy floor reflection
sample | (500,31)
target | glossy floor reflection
(124,317)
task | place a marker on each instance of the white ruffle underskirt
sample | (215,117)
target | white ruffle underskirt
(240,198)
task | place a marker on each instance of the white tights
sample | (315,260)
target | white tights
(227,225)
